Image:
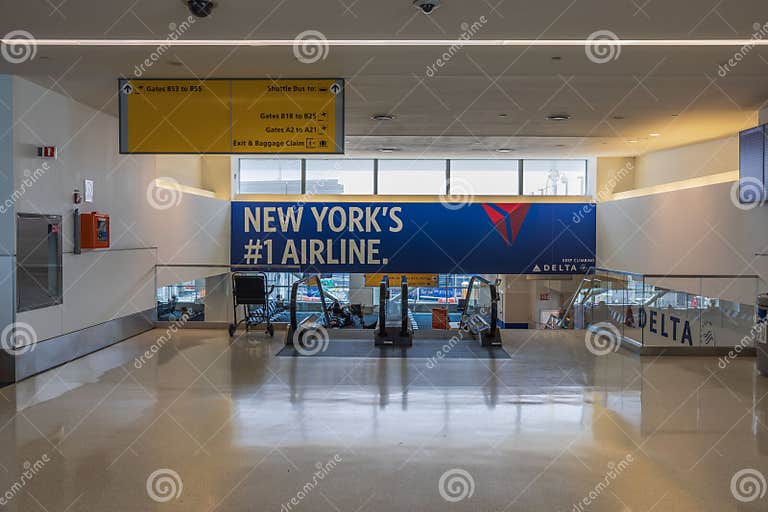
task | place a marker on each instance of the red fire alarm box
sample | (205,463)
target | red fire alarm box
(47,152)
(94,230)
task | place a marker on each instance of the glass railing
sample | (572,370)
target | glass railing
(480,315)
(655,310)
(195,293)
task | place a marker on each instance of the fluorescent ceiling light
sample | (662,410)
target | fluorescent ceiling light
(387,42)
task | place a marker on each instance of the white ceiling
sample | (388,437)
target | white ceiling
(674,91)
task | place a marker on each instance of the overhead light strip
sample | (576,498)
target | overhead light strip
(387,42)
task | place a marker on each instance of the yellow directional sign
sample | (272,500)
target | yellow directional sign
(414,280)
(226,116)
(297,116)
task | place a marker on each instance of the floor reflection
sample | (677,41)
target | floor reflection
(240,426)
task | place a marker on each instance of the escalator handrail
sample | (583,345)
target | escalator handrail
(295,294)
(494,302)
(383,296)
(571,303)
(404,327)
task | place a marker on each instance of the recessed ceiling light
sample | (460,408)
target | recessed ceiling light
(382,117)
(618,118)
(502,115)
(558,117)
(174,63)
(655,135)
(632,141)
(387,150)
(557,57)
(561,146)
(504,150)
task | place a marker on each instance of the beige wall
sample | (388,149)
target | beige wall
(185,169)
(206,172)
(522,296)
(685,162)
(517,302)
(614,174)
(216,177)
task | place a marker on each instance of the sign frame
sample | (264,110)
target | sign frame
(123,118)
(501,238)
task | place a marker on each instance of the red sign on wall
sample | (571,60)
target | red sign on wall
(47,151)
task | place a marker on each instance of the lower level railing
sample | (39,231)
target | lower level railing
(655,310)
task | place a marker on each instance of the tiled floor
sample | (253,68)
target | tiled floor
(231,427)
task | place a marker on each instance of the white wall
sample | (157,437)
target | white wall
(693,231)
(686,162)
(146,227)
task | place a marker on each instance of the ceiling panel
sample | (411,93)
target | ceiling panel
(678,92)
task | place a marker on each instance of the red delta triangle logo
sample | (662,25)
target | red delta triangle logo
(499,214)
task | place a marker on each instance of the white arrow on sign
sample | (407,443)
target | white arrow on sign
(335,88)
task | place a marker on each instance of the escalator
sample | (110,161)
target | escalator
(394,324)
(306,321)
(314,310)
(481,312)
(324,318)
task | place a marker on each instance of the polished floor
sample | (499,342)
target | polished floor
(200,423)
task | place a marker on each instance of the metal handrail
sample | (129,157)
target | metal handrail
(404,306)
(294,297)
(494,303)
(383,297)
(673,276)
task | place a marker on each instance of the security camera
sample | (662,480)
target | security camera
(200,8)
(427,6)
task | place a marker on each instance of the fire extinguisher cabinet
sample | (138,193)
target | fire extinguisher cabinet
(94,230)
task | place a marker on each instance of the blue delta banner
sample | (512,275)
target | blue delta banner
(476,238)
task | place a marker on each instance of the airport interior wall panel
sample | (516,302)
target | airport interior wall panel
(107,286)
(68,347)
(690,231)
(7,239)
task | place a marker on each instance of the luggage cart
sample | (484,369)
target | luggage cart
(250,291)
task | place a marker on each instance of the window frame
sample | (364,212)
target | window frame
(373,173)
(522,175)
(446,188)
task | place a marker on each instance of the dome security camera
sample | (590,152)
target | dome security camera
(427,6)
(200,8)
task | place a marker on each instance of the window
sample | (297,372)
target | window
(412,177)
(485,177)
(259,176)
(339,177)
(555,177)
(38,262)
(473,177)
